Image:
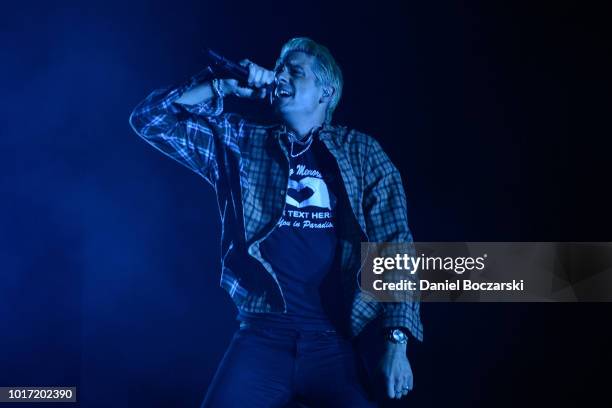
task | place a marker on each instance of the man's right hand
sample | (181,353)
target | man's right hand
(259,78)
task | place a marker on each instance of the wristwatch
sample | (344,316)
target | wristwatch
(396,336)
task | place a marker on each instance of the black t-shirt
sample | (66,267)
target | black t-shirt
(302,246)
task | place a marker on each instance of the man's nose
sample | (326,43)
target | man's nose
(281,77)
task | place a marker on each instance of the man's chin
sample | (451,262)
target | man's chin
(281,108)
(280,103)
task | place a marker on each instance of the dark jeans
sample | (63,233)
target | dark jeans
(270,367)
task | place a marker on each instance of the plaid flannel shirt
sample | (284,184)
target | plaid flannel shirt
(247,165)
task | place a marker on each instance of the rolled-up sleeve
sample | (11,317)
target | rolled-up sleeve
(185,133)
(386,217)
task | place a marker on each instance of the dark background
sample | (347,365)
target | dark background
(497,116)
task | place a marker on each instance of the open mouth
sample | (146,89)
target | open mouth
(283,92)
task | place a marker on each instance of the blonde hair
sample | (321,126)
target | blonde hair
(325,69)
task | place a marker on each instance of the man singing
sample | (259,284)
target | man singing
(296,200)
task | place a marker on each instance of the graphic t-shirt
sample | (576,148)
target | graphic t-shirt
(301,248)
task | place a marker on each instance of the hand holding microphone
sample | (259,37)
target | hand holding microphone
(245,80)
(258,82)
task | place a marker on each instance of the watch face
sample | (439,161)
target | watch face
(398,336)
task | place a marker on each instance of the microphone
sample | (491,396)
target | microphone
(222,67)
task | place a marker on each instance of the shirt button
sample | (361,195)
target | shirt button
(282,192)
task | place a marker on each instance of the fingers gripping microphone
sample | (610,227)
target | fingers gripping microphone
(222,67)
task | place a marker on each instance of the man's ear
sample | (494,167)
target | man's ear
(328,93)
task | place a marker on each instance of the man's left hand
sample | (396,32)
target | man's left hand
(396,371)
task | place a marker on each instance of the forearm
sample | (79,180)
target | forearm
(385,205)
(205,91)
(160,112)
(182,132)
(200,93)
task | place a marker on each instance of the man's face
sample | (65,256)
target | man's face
(296,89)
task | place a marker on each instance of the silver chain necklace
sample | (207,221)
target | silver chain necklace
(307,143)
